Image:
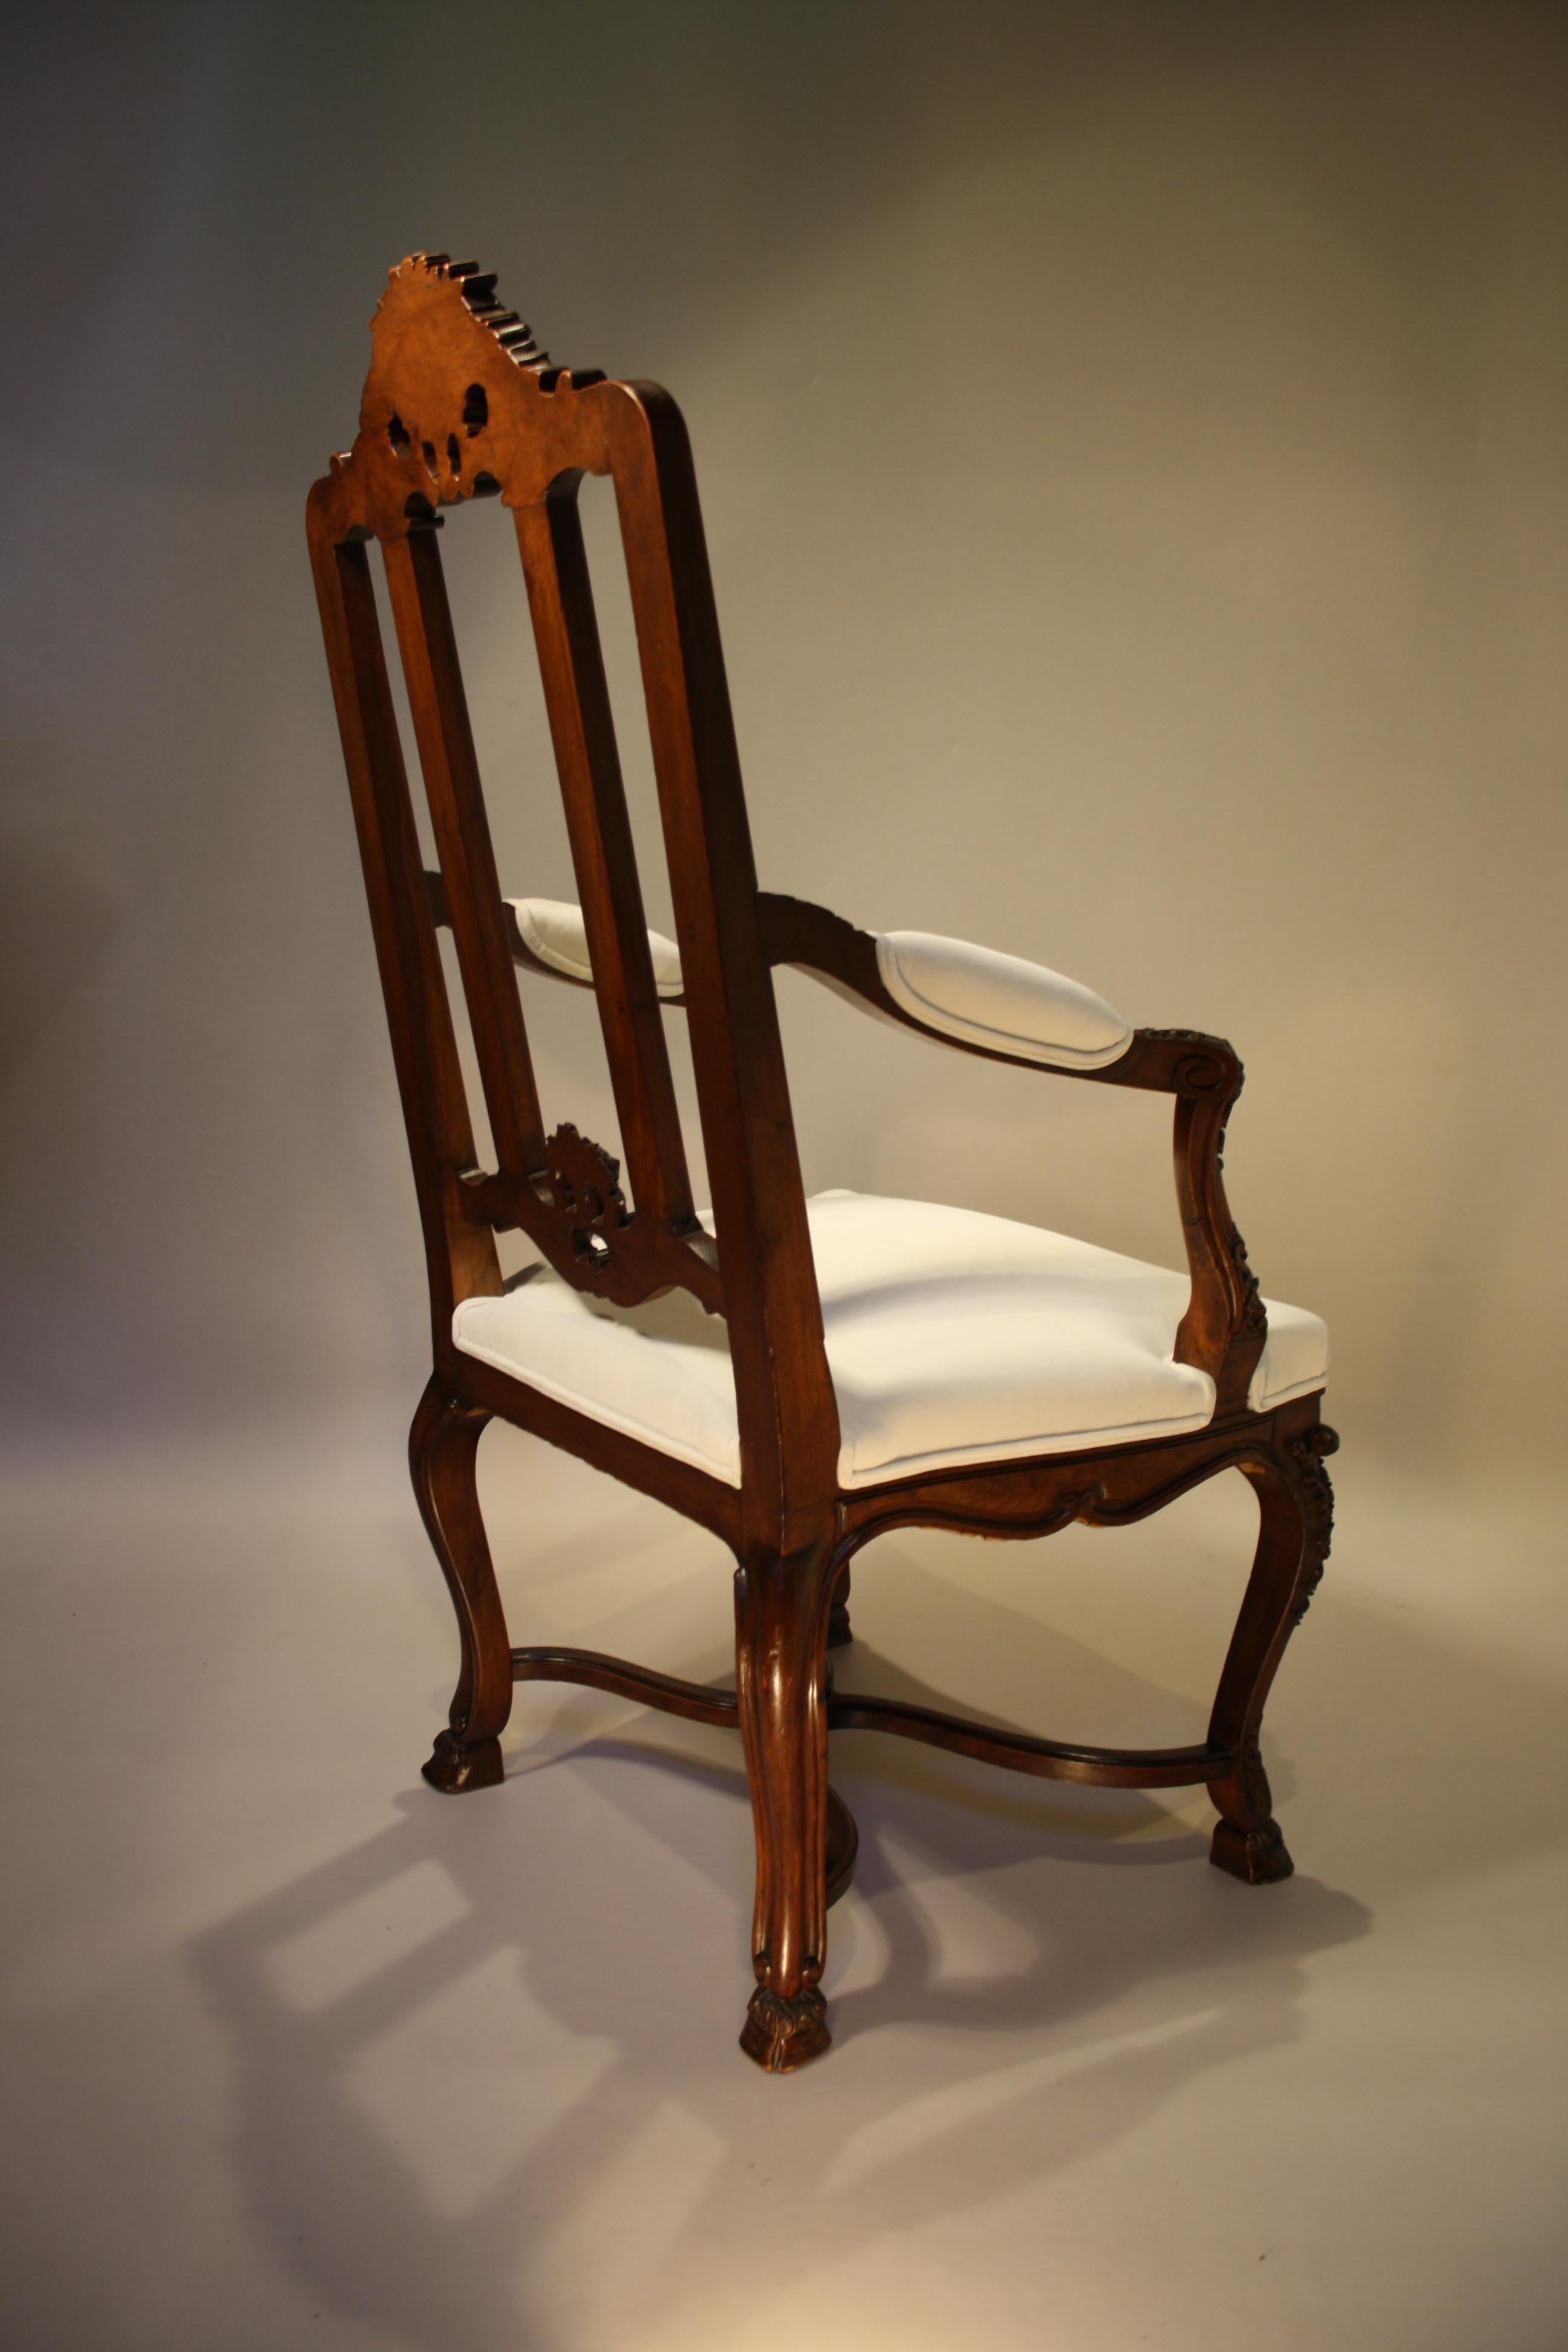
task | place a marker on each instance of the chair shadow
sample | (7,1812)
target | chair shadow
(1129,1975)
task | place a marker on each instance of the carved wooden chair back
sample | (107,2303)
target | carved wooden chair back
(460,403)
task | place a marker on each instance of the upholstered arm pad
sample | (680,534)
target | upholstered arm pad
(1000,1001)
(973,995)
(555,935)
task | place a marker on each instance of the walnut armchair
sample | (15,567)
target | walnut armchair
(887,1364)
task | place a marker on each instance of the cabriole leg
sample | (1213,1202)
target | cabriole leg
(443,1446)
(1295,1515)
(781,1640)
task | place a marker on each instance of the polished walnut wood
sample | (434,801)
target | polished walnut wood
(460,403)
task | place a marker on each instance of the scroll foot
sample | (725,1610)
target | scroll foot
(782,2034)
(1258,1854)
(454,1770)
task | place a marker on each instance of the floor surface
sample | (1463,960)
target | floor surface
(299,2052)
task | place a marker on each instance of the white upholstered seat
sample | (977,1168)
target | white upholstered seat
(952,1338)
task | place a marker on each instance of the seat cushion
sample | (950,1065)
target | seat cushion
(1000,1001)
(952,1338)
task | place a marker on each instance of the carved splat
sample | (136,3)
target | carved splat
(581,1183)
(574,1209)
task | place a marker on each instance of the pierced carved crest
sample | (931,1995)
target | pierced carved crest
(450,365)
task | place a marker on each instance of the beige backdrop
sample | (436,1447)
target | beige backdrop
(1131,446)
(1132,443)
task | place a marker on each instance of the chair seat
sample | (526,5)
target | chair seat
(952,1337)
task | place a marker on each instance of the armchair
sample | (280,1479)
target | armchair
(821,1370)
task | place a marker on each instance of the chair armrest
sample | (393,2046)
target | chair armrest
(983,997)
(1225,1326)
(554,939)
(549,936)
(970,996)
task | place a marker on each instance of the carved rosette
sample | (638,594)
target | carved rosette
(1198,1073)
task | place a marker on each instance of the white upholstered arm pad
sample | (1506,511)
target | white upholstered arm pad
(555,932)
(1000,1001)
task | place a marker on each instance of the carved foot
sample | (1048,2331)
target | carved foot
(455,1770)
(783,2034)
(1258,1856)
(843,1846)
(1247,1837)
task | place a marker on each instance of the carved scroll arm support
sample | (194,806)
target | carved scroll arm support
(1224,1328)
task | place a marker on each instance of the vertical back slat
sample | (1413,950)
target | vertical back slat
(440,714)
(561,601)
(461,1254)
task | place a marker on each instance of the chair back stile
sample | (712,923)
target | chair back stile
(453,410)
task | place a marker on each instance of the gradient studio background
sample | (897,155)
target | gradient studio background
(1132,444)
(1131,448)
